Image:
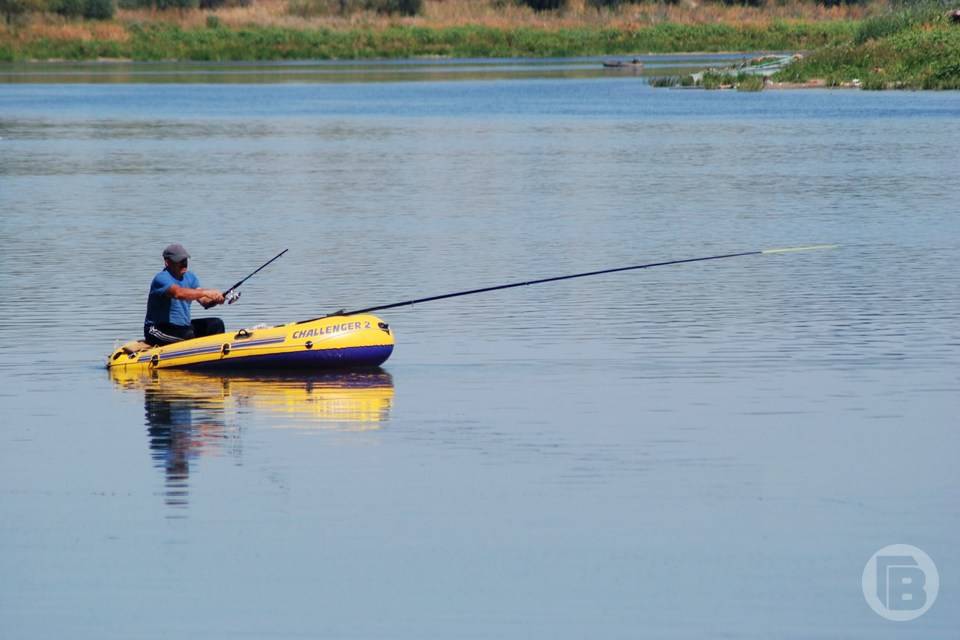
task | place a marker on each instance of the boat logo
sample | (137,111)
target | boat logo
(333,328)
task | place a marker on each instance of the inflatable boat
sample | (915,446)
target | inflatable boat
(332,342)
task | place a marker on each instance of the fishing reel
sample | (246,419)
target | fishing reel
(232,297)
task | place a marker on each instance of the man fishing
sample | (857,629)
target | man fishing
(168,304)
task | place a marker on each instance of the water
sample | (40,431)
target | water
(699,450)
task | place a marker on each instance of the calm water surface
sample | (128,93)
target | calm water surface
(694,451)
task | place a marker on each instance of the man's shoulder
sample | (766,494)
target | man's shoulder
(162,280)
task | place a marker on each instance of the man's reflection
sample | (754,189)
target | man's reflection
(189,415)
(180,428)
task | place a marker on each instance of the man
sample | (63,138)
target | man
(168,305)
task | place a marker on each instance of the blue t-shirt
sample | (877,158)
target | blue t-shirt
(163,308)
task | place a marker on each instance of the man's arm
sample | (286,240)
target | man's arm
(207,297)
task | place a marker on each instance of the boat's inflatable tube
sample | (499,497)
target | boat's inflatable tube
(334,342)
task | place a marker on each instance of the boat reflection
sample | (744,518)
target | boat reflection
(191,415)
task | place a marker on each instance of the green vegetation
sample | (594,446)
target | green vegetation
(911,48)
(319,8)
(713,80)
(182,5)
(545,5)
(664,81)
(749,82)
(158,41)
(90,9)
(397,7)
(13,10)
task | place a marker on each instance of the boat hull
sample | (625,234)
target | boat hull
(335,342)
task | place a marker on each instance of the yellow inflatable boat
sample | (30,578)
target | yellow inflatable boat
(333,342)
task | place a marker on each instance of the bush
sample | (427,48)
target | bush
(68,8)
(545,5)
(99,9)
(401,7)
(216,4)
(158,4)
(177,4)
(613,4)
(311,8)
(90,9)
(181,4)
(13,10)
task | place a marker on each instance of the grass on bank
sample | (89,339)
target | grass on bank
(912,48)
(503,14)
(160,41)
(287,29)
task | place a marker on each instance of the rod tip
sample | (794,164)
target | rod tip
(812,247)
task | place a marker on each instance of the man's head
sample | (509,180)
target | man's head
(175,257)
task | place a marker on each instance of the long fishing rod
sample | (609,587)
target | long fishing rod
(469,292)
(232,295)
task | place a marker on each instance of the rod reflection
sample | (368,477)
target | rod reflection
(192,415)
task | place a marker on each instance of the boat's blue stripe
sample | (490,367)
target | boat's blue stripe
(257,343)
(213,349)
(190,352)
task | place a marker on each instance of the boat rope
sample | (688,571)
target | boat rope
(584,274)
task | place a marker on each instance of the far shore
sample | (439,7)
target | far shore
(871,46)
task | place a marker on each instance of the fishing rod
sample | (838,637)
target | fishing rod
(469,292)
(232,295)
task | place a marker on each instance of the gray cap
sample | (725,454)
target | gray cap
(175,253)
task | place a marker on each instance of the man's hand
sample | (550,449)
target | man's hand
(210,298)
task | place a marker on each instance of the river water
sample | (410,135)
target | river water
(711,449)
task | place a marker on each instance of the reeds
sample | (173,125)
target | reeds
(714,79)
